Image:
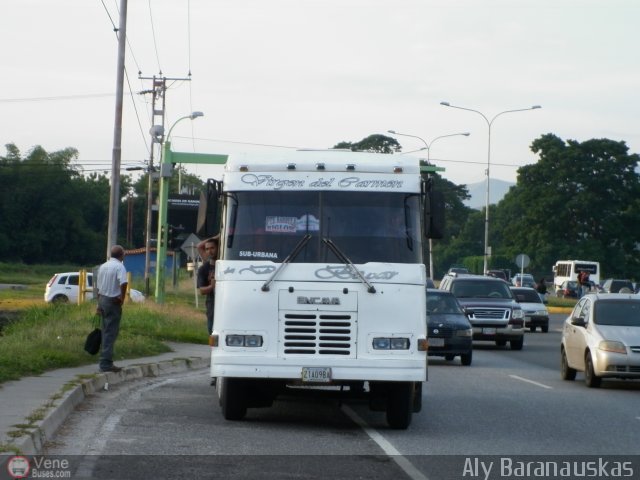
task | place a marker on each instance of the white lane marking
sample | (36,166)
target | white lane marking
(386,447)
(531,381)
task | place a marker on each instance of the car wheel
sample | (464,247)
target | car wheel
(448,357)
(590,377)
(544,328)
(517,344)
(566,372)
(466,358)
(60,299)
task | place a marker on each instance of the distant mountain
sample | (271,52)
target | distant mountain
(478,192)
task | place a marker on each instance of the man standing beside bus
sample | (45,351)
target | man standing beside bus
(208,250)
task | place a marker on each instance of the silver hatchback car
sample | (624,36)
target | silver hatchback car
(601,338)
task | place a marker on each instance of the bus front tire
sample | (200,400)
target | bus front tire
(232,398)
(400,405)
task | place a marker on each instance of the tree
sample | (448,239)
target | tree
(375,143)
(579,201)
(49,212)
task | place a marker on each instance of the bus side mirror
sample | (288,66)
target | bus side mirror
(434,215)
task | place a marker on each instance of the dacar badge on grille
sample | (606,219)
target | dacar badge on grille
(318,300)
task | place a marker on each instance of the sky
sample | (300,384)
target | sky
(281,74)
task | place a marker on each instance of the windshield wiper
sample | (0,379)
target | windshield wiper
(342,257)
(294,253)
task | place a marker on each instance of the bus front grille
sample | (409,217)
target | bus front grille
(318,334)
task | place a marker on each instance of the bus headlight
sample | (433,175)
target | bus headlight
(243,340)
(390,343)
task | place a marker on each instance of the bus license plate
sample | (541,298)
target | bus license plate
(316,374)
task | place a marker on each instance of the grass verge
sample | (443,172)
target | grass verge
(47,337)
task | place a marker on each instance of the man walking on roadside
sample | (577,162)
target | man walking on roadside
(112,291)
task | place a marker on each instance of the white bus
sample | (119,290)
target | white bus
(321,279)
(569,269)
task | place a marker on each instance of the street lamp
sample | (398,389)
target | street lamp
(427,147)
(489,123)
(165,174)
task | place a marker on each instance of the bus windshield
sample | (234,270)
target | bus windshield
(366,227)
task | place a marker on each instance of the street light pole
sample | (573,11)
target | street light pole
(427,147)
(486,214)
(165,176)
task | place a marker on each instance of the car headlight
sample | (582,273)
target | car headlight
(612,346)
(541,313)
(390,343)
(465,333)
(517,314)
(243,340)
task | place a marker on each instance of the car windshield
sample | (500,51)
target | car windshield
(527,296)
(445,304)
(497,289)
(371,227)
(616,312)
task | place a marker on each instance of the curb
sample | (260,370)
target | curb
(33,442)
(560,309)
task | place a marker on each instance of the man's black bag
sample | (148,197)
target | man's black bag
(93,341)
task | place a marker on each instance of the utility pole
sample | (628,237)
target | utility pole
(114,198)
(157,136)
(159,89)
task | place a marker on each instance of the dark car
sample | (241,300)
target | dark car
(490,306)
(614,285)
(568,289)
(457,269)
(498,274)
(449,331)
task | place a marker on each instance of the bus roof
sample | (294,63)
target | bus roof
(322,160)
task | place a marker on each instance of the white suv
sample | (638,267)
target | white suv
(63,287)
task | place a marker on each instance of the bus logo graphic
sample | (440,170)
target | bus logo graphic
(318,301)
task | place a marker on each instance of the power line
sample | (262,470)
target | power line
(57,97)
(189,36)
(153,33)
(135,108)
(237,142)
(115,29)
